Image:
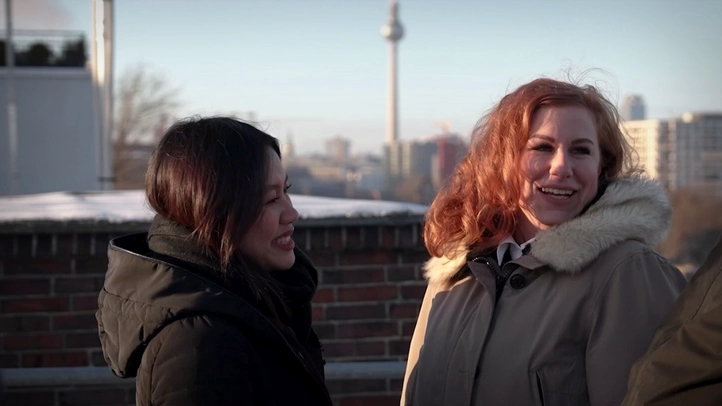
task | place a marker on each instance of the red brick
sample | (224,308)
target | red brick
(368,293)
(368,329)
(399,347)
(86,265)
(30,398)
(371,348)
(368,258)
(317,238)
(401,274)
(46,304)
(89,302)
(33,342)
(101,244)
(7,243)
(20,324)
(82,340)
(414,256)
(325,331)
(409,236)
(75,322)
(9,361)
(80,284)
(44,245)
(404,310)
(317,313)
(325,295)
(369,400)
(388,238)
(65,245)
(339,349)
(356,312)
(323,258)
(47,360)
(335,238)
(407,328)
(24,245)
(413,291)
(84,244)
(92,397)
(97,359)
(37,266)
(20,287)
(332,277)
(353,238)
(371,237)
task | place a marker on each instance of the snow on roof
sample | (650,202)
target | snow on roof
(131,206)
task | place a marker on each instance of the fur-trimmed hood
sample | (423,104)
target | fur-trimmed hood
(630,209)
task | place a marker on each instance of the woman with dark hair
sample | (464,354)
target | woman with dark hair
(543,288)
(212,306)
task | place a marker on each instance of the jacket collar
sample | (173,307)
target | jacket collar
(175,242)
(630,209)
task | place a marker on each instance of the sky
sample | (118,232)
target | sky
(313,69)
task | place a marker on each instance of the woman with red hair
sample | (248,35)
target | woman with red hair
(543,287)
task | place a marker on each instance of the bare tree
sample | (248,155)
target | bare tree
(696,225)
(145,104)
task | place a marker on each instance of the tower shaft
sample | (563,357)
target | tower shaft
(392,126)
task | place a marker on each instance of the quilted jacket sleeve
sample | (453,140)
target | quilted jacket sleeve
(682,365)
(190,363)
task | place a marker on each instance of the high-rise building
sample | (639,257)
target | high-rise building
(338,148)
(682,152)
(451,149)
(633,108)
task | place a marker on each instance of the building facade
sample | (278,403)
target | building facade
(681,152)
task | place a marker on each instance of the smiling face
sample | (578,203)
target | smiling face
(268,242)
(560,167)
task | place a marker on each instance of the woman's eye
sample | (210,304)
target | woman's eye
(582,151)
(285,189)
(272,200)
(541,147)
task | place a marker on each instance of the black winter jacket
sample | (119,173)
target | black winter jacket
(192,338)
(683,365)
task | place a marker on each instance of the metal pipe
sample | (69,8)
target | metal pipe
(95,376)
(11,106)
(108,38)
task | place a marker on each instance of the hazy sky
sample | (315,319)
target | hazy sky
(317,68)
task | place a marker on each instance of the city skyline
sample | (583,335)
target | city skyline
(318,69)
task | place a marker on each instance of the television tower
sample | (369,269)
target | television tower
(393,32)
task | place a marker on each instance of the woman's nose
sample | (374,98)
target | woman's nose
(561,165)
(290,215)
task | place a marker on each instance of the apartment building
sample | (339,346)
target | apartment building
(682,152)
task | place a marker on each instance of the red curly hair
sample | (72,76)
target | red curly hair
(477,208)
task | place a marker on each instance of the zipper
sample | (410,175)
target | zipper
(500,275)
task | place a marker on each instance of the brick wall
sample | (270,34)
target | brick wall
(365,309)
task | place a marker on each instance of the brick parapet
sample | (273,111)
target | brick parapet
(365,309)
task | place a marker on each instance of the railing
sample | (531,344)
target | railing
(46,48)
(94,376)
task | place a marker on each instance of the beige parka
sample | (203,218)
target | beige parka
(571,319)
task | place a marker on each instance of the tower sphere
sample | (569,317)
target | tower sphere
(392,31)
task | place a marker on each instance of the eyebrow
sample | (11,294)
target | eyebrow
(574,142)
